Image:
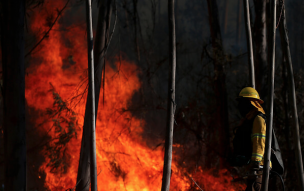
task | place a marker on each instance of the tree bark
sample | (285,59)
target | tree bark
(269,128)
(104,18)
(13,13)
(292,99)
(285,103)
(135,29)
(93,165)
(225,19)
(260,41)
(238,36)
(171,99)
(249,44)
(159,4)
(221,114)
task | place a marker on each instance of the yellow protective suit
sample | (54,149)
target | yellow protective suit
(258,134)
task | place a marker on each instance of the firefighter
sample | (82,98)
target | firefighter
(250,142)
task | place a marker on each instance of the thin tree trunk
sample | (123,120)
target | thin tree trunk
(249,44)
(159,4)
(13,94)
(221,113)
(171,99)
(225,19)
(260,41)
(83,176)
(292,100)
(124,5)
(285,102)
(93,164)
(271,48)
(238,36)
(293,29)
(135,29)
(302,31)
(153,14)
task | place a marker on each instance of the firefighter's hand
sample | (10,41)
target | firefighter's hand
(251,169)
(253,166)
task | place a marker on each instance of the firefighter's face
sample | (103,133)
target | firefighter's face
(244,106)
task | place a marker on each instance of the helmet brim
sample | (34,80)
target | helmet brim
(245,97)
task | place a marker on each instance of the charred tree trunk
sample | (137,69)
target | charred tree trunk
(12,42)
(302,35)
(260,41)
(249,44)
(93,165)
(271,56)
(124,5)
(171,99)
(153,13)
(104,17)
(225,19)
(135,29)
(221,113)
(238,36)
(159,4)
(292,99)
(285,103)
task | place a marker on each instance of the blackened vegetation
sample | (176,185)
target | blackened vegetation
(65,127)
(117,171)
(50,22)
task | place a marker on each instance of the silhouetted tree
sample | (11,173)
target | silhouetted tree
(292,97)
(171,99)
(271,68)
(221,109)
(93,165)
(12,41)
(104,17)
(249,44)
(260,42)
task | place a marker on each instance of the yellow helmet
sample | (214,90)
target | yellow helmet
(250,92)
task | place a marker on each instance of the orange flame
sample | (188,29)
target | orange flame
(124,161)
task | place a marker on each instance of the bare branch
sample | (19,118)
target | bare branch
(47,33)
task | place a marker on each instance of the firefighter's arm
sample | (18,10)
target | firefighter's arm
(258,136)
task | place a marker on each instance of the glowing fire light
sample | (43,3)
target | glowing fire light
(124,160)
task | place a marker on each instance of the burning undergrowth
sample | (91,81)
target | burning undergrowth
(65,127)
(56,86)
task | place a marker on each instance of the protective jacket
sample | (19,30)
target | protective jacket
(257,136)
(250,136)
